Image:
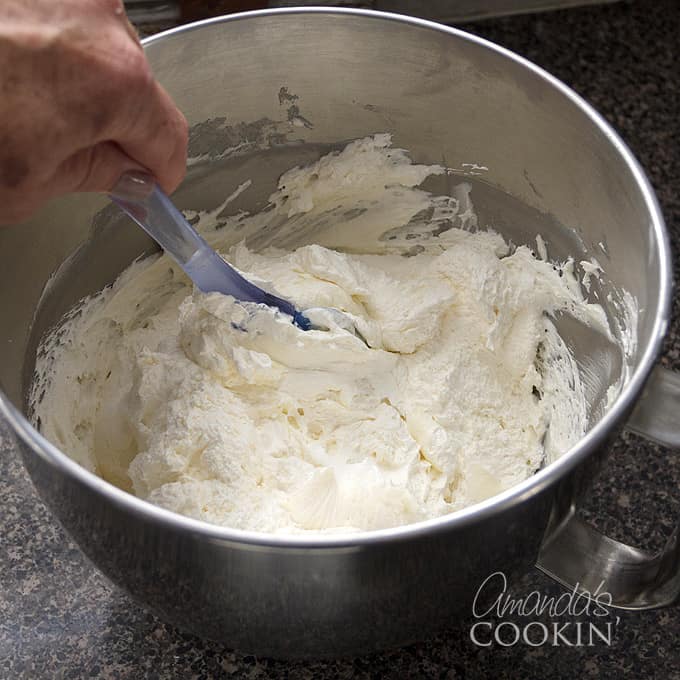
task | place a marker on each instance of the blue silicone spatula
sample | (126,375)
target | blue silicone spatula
(139,195)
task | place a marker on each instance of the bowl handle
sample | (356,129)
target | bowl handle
(578,556)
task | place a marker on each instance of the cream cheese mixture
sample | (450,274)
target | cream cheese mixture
(227,412)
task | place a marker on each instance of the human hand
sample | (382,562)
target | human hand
(78,104)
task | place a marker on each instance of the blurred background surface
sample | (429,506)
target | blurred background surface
(157,14)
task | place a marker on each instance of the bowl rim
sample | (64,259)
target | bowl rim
(530,487)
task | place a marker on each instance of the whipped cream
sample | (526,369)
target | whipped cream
(227,412)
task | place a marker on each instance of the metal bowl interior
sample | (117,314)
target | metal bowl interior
(265,91)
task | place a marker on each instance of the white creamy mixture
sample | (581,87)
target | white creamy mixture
(227,412)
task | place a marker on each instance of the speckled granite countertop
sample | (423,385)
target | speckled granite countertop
(60,618)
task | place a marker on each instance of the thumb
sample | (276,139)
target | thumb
(96,168)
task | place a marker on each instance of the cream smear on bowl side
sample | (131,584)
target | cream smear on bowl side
(227,412)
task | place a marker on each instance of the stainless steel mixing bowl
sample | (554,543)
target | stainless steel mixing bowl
(270,89)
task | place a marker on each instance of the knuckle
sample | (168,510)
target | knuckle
(182,124)
(183,130)
(175,131)
(133,70)
(125,88)
(179,131)
(138,65)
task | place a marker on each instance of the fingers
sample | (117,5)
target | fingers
(143,120)
(97,168)
(79,105)
(119,100)
(157,137)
